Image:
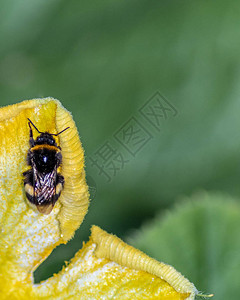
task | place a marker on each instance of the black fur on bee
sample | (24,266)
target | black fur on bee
(43,183)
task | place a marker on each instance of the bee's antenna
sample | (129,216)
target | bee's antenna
(33,125)
(55,134)
(60,131)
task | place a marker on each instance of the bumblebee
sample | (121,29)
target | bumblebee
(43,183)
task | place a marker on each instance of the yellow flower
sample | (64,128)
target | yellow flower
(106,267)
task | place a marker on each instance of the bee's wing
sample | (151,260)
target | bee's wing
(44,190)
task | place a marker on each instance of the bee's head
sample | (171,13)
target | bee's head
(45,138)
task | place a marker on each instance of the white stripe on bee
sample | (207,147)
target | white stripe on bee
(59,188)
(29,189)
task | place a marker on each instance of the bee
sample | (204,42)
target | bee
(43,183)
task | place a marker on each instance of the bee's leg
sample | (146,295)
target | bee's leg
(28,176)
(60,179)
(31,140)
(59,161)
(29,158)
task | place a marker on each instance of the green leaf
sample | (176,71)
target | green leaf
(200,237)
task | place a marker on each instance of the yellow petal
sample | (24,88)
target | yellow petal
(90,277)
(27,237)
(48,115)
(105,267)
(111,247)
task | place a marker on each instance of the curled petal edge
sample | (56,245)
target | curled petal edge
(113,248)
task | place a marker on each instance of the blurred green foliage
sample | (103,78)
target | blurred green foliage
(200,237)
(104,60)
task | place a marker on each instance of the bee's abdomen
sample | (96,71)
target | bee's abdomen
(44,197)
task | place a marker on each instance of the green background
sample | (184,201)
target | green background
(104,60)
